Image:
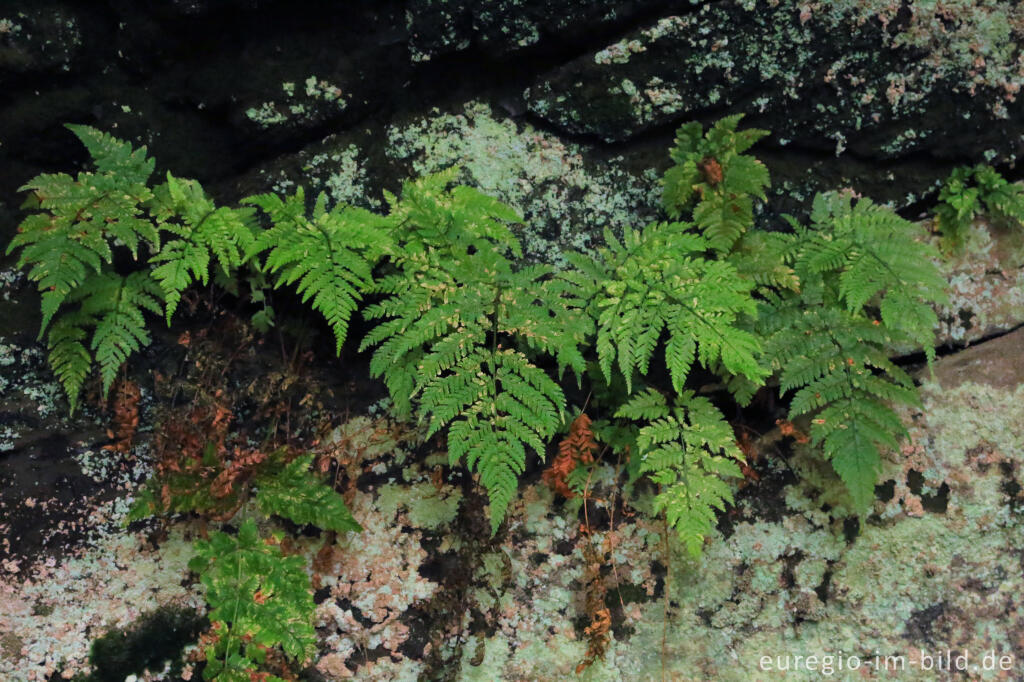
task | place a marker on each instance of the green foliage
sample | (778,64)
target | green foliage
(476,344)
(111,307)
(871,259)
(294,493)
(218,486)
(69,247)
(713,179)
(330,255)
(259,600)
(687,448)
(199,231)
(970,191)
(460,328)
(660,280)
(868,289)
(838,298)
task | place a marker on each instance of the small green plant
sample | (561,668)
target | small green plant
(94,306)
(687,448)
(260,600)
(969,192)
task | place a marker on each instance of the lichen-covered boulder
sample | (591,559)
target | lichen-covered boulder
(867,76)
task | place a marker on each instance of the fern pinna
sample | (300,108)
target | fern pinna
(461,329)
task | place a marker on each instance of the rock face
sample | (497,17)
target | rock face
(825,76)
(564,111)
(882,96)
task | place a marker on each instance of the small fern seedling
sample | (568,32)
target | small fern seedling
(971,191)
(260,600)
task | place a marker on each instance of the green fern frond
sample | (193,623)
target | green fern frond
(294,493)
(330,257)
(259,599)
(877,261)
(202,232)
(836,363)
(659,280)
(109,311)
(710,167)
(111,155)
(81,217)
(970,191)
(687,449)
(429,215)
(1004,200)
(459,328)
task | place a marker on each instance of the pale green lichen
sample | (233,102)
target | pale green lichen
(986,289)
(566,201)
(299,109)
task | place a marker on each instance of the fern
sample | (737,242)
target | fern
(330,256)
(108,314)
(218,486)
(460,328)
(81,217)
(970,191)
(867,288)
(259,599)
(659,280)
(687,448)
(713,178)
(292,492)
(69,248)
(872,255)
(202,231)
(837,299)
(837,364)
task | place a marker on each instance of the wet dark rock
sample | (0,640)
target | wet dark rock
(41,38)
(438,27)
